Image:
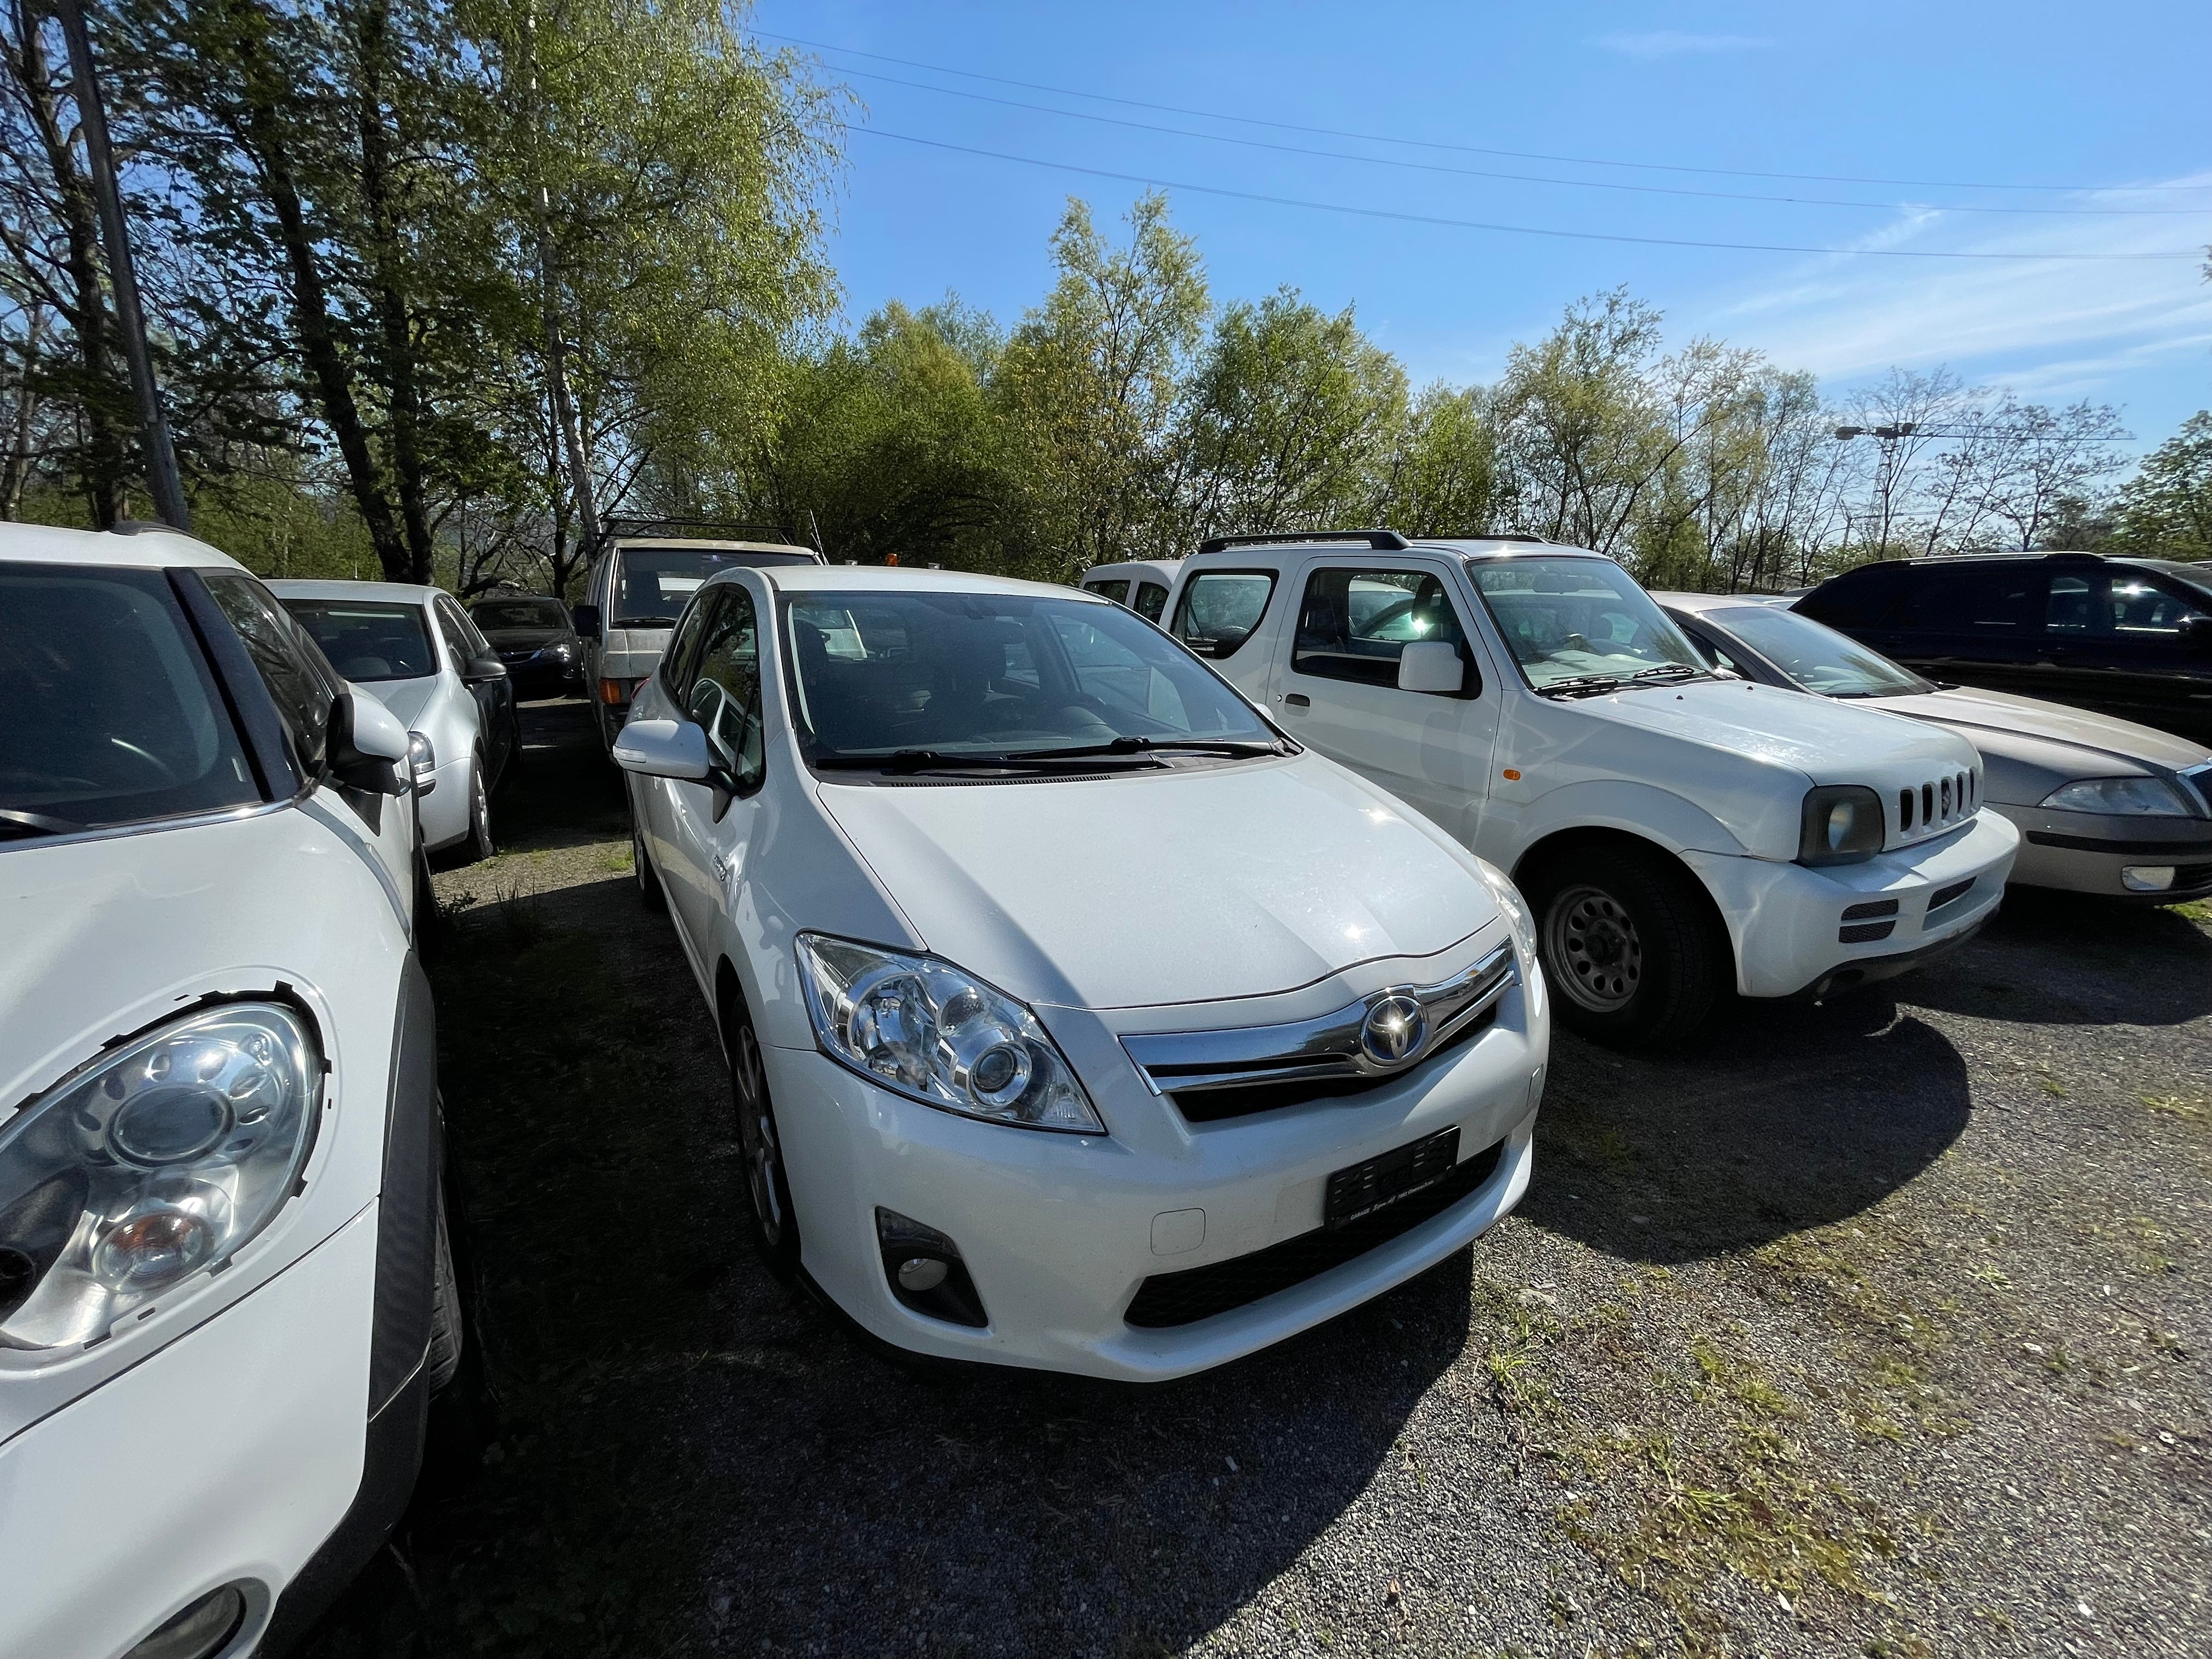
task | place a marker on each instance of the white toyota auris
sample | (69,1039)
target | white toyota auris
(223,1294)
(1076,1018)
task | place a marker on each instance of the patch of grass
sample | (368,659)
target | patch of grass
(616,860)
(2188,1111)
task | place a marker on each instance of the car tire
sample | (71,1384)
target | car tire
(478,845)
(448,1326)
(650,892)
(430,920)
(1630,947)
(768,1186)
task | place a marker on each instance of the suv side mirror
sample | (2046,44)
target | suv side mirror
(1433,666)
(587,618)
(368,746)
(481,671)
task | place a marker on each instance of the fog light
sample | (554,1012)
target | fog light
(201,1629)
(2147,878)
(922,1273)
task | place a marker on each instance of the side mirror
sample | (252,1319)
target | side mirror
(665,749)
(1433,666)
(587,618)
(481,671)
(2196,636)
(368,746)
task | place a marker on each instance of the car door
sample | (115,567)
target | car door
(711,824)
(494,695)
(1336,682)
(1218,612)
(1978,621)
(2122,641)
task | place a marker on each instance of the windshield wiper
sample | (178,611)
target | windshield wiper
(1588,685)
(16,822)
(935,759)
(1233,748)
(645,622)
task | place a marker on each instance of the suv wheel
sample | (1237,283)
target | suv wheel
(1629,946)
(775,1226)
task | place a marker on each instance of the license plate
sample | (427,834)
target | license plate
(1388,1176)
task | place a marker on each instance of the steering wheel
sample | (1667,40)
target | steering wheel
(154,760)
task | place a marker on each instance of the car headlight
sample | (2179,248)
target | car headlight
(156,1162)
(1518,916)
(2148,797)
(1840,823)
(939,1035)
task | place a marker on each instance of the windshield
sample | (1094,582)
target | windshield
(107,714)
(1576,620)
(653,583)
(1815,656)
(983,674)
(369,639)
(518,613)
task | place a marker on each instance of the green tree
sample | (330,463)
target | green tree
(2166,509)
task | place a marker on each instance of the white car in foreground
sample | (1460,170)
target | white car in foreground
(1679,832)
(224,1297)
(1076,1018)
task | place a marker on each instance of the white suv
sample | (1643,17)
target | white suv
(223,1295)
(1011,1086)
(1678,832)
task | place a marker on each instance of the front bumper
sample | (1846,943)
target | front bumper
(227,1457)
(1058,1231)
(1787,921)
(2084,853)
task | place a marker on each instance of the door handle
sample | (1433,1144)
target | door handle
(1299,700)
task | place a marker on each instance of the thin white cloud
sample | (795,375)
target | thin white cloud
(2058,326)
(1674,43)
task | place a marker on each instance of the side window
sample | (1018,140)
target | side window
(302,684)
(1998,600)
(724,693)
(1117,592)
(2145,609)
(1219,610)
(1708,648)
(1354,624)
(1151,599)
(458,648)
(682,646)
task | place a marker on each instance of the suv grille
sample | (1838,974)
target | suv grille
(1939,803)
(1196,1293)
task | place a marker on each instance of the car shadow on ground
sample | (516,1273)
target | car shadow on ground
(1786,1115)
(2071,959)
(665,1452)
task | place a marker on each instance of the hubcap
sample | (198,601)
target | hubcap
(1593,949)
(756,1133)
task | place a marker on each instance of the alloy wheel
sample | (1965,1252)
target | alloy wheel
(756,1134)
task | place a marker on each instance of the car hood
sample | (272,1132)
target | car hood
(525,639)
(406,699)
(1165,887)
(2055,743)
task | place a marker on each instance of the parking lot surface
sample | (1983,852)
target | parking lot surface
(1876,1328)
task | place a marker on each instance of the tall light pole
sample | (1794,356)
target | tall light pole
(161,477)
(1885,479)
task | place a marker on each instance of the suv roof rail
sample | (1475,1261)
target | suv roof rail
(1388,540)
(1510,536)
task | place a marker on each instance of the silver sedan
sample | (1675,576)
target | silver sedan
(2103,806)
(417,651)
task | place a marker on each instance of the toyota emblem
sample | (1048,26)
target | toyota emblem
(1395,1030)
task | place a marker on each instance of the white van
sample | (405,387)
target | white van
(1677,830)
(1142,584)
(637,589)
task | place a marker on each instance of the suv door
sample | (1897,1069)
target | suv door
(2127,642)
(1336,682)
(1978,621)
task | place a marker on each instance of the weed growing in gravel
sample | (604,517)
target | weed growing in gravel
(2188,1111)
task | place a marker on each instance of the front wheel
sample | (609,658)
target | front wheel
(775,1225)
(650,892)
(479,843)
(1630,943)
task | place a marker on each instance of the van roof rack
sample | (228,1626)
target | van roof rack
(1388,540)
(621,529)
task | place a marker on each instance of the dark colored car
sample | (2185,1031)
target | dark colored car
(2131,638)
(536,640)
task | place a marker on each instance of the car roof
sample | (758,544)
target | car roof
(143,547)
(688,543)
(1483,547)
(900,579)
(1699,604)
(1133,567)
(301,589)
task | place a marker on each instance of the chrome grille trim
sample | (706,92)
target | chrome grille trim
(1325,1048)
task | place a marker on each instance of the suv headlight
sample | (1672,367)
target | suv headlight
(2149,797)
(155,1162)
(939,1035)
(1841,824)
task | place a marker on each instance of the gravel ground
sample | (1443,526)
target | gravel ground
(1873,1328)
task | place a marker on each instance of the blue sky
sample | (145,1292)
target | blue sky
(1967,102)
